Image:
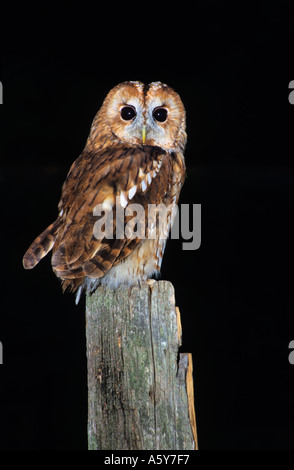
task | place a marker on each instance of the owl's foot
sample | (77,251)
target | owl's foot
(151,283)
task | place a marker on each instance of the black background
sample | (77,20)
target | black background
(231,65)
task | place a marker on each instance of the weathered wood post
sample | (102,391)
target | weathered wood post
(140,389)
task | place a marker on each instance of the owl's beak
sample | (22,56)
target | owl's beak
(143,134)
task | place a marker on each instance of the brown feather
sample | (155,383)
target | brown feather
(40,246)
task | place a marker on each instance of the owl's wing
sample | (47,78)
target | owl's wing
(123,175)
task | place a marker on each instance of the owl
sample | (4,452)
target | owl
(133,155)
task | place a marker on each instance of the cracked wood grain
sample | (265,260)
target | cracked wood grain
(140,389)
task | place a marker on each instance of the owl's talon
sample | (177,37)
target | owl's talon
(151,283)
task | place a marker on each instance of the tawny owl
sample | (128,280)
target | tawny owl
(134,154)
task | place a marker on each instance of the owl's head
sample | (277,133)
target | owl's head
(141,114)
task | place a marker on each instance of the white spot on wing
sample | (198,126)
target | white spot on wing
(107,204)
(158,166)
(132,192)
(123,200)
(144,185)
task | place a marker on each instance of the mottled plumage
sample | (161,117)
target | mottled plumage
(134,154)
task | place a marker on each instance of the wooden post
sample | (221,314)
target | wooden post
(140,389)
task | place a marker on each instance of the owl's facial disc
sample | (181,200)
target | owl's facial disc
(141,114)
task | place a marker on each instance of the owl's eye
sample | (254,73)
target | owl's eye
(160,114)
(127,113)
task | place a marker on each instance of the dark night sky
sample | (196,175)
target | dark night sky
(232,67)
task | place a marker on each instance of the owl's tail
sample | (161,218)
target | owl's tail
(40,246)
